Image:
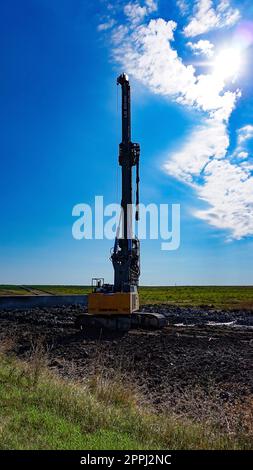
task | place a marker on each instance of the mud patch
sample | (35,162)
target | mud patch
(167,364)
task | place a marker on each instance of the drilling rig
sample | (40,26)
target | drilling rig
(116,306)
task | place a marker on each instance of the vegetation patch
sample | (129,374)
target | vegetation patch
(41,411)
(225,297)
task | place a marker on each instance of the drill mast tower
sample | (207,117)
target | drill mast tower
(115,306)
(126,253)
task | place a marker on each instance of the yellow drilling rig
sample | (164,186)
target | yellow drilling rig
(116,306)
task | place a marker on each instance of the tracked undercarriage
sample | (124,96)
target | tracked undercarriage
(142,320)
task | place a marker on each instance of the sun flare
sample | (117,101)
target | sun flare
(228,63)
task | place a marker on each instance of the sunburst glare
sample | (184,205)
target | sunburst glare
(228,63)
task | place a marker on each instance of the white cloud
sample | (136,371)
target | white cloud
(227,189)
(223,180)
(245,133)
(183,6)
(242,155)
(207,17)
(119,34)
(247,166)
(225,185)
(147,54)
(203,46)
(208,141)
(106,25)
(151,5)
(136,13)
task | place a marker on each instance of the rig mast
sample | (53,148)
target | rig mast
(126,253)
(116,306)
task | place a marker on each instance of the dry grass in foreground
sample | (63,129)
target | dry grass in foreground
(41,411)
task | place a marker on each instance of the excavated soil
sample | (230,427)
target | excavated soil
(199,349)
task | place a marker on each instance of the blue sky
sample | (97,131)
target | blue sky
(190,68)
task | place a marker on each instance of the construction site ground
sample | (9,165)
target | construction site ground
(200,349)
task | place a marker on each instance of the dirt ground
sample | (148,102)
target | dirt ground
(194,352)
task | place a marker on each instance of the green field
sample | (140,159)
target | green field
(41,411)
(203,296)
(217,296)
(28,289)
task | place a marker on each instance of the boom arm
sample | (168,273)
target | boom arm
(126,254)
